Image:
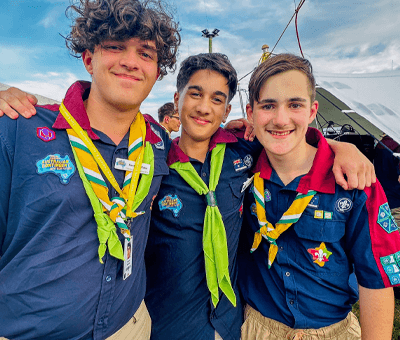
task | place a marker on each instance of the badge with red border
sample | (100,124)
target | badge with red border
(45,134)
(320,255)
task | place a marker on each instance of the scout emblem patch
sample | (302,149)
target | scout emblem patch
(248,160)
(320,255)
(314,202)
(343,205)
(391,265)
(62,167)
(386,220)
(45,134)
(172,203)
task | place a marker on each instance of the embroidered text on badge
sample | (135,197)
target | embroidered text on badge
(45,134)
(320,255)
(386,220)
(172,203)
(62,167)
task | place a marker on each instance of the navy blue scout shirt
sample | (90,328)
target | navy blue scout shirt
(177,296)
(52,285)
(307,286)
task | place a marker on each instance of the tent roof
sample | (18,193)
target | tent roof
(373,96)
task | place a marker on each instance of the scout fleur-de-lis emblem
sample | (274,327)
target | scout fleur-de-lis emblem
(320,255)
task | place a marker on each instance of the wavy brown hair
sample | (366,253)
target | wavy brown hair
(98,20)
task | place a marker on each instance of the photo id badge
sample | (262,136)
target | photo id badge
(128,258)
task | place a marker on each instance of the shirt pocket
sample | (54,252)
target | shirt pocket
(319,246)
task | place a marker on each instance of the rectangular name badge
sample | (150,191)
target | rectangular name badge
(127,165)
(128,258)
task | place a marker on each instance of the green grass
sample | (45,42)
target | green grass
(396,322)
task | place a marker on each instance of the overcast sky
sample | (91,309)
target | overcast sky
(337,36)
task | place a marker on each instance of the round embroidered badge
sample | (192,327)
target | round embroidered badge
(343,205)
(248,160)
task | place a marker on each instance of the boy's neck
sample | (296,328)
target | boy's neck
(108,119)
(194,149)
(296,163)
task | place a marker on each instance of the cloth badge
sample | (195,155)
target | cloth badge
(328,215)
(314,202)
(386,220)
(319,214)
(253,209)
(267,196)
(171,202)
(391,266)
(320,255)
(248,160)
(62,167)
(159,145)
(238,165)
(45,134)
(343,205)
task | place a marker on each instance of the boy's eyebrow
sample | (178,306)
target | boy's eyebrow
(149,47)
(199,88)
(294,99)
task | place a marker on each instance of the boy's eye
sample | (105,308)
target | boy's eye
(267,107)
(113,47)
(296,105)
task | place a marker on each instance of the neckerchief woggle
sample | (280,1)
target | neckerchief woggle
(214,236)
(267,230)
(108,212)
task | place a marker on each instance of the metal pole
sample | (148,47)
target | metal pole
(210,44)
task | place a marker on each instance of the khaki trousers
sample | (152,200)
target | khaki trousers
(137,328)
(258,327)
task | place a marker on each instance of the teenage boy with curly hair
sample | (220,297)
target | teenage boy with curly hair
(56,281)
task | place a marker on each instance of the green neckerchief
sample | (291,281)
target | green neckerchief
(106,230)
(214,236)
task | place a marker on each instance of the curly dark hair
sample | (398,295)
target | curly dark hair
(217,62)
(98,20)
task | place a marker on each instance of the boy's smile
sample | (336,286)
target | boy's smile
(283,112)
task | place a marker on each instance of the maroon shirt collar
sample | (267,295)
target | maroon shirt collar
(73,101)
(320,177)
(220,136)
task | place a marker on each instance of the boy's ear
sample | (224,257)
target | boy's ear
(158,72)
(249,112)
(313,111)
(176,100)
(226,114)
(87,58)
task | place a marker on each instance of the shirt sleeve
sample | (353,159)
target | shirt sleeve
(373,240)
(6,161)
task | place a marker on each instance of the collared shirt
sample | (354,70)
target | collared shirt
(177,296)
(308,283)
(52,285)
(387,169)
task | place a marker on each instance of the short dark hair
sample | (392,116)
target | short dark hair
(166,110)
(275,65)
(217,62)
(119,20)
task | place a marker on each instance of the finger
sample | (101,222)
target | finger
(5,109)
(352,180)
(32,99)
(20,101)
(361,180)
(368,178)
(373,175)
(339,178)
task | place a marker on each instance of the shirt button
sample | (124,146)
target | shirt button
(281,248)
(287,274)
(291,302)
(108,278)
(204,174)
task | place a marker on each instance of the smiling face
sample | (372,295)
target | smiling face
(202,105)
(283,113)
(123,72)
